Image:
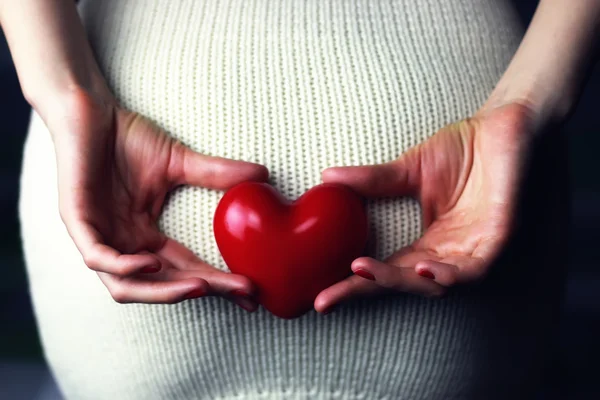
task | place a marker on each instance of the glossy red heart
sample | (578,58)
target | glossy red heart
(290,250)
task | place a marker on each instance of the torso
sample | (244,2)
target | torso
(296,86)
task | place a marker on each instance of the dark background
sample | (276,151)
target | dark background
(572,375)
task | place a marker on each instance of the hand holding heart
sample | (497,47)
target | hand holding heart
(115,169)
(466,178)
(290,250)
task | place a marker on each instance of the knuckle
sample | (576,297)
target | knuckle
(91,260)
(177,161)
(121,270)
(210,176)
(63,213)
(119,294)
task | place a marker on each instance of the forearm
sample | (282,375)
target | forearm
(553,60)
(50,50)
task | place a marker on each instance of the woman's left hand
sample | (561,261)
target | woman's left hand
(466,178)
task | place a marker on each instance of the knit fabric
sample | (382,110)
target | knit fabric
(297,86)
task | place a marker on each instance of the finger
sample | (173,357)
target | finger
(466,269)
(138,290)
(445,274)
(396,178)
(192,168)
(103,258)
(353,286)
(242,300)
(396,277)
(170,273)
(188,265)
(461,269)
(238,289)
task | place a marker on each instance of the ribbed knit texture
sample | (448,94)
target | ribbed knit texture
(297,86)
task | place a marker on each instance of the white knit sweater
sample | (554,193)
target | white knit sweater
(297,85)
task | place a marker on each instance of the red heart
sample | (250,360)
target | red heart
(290,250)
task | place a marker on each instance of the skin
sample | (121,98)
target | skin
(466,176)
(110,202)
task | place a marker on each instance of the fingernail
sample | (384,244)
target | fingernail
(363,273)
(194,294)
(150,269)
(426,274)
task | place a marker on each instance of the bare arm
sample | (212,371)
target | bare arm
(467,175)
(50,50)
(97,142)
(52,55)
(551,65)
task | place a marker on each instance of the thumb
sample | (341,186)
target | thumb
(192,168)
(401,177)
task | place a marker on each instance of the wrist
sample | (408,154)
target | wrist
(550,66)
(66,110)
(51,52)
(546,103)
(58,98)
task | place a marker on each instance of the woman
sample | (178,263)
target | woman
(365,92)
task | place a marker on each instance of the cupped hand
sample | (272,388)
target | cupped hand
(466,178)
(115,169)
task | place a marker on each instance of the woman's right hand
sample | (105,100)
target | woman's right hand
(115,168)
